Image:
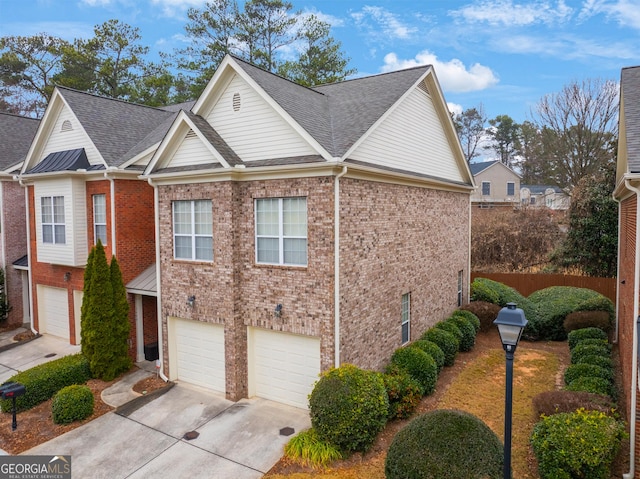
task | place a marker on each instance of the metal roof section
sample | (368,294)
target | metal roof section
(68,160)
(145,283)
(21,263)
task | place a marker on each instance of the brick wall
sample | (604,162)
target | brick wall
(15,244)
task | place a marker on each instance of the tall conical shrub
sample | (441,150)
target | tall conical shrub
(121,326)
(86,327)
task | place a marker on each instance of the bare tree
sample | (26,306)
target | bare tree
(581,126)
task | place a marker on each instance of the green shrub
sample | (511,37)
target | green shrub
(486,312)
(349,407)
(308,449)
(578,335)
(419,365)
(469,316)
(483,289)
(403,391)
(555,402)
(43,381)
(468,340)
(446,342)
(575,371)
(445,444)
(453,329)
(582,350)
(72,403)
(506,294)
(602,361)
(594,385)
(579,444)
(588,319)
(556,302)
(595,342)
(432,349)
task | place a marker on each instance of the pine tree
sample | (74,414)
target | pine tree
(86,327)
(120,326)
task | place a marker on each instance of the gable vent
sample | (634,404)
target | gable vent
(423,87)
(66,126)
(191,134)
(236,102)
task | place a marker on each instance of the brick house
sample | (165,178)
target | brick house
(498,185)
(16,134)
(302,228)
(627,193)
(81,176)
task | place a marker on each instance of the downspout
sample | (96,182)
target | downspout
(634,363)
(616,332)
(112,192)
(336,266)
(156,219)
(26,202)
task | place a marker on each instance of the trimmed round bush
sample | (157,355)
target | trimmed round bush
(446,342)
(419,365)
(469,316)
(403,391)
(588,319)
(595,342)
(577,335)
(445,444)
(506,294)
(483,289)
(432,349)
(555,402)
(349,407)
(602,361)
(579,444)
(582,350)
(72,403)
(592,384)
(468,340)
(452,328)
(486,312)
(575,371)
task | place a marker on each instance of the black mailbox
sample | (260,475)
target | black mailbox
(12,390)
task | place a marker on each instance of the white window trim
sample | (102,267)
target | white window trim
(193,235)
(405,318)
(96,223)
(488,183)
(460,297)
(281,237)
(53,222)
(514,188)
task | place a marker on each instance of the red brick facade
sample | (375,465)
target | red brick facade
(393,240)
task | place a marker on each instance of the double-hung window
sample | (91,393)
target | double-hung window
(100,219)
(406,317)
(460,285)
(281,231)
(53,225)
(511,188)
(193,230)
(486,188)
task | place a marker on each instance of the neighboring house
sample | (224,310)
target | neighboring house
(544,196)
(82,180)
(16,134)
(627,193)
(303,228)
(498,185)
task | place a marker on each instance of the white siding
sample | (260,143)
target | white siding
(70,140)
(411,138)
(75,249)
(191,152)
(256,131)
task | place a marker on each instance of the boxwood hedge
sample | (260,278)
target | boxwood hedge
(446,341)
(432,349)
(578,335)
(419,365)
(72,403)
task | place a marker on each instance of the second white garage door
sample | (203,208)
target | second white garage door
(197,353)
(282,367)
(53,311)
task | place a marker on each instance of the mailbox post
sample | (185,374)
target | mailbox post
(11,391)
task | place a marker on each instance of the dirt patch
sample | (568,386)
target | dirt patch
(148,385)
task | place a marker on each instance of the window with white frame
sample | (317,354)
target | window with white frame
(511,188)
(281,231)
(53,225)
(406,317)
(193,230)
(100,219)
(486,188)
(460,285)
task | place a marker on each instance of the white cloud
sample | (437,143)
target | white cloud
(625,12)
(175,8)
(508,13)
(387,25)
(96,3)
(454,108)
(452,75)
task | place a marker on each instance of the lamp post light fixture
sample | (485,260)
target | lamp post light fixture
(510,322)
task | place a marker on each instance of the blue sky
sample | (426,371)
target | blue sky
(505,54)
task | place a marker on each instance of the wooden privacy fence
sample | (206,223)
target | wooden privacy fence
(527,283)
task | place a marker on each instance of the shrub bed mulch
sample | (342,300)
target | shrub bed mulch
(371,464)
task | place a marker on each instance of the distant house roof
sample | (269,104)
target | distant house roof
(16,134)
(541,189)
(480,167)
(630,87)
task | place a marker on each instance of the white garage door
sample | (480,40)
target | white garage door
(283,367)
(197,355)
(53,311)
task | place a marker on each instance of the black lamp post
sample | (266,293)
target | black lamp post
(510,322)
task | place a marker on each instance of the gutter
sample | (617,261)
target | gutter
(28,224)
(336,266)
(112,192)
(634,363)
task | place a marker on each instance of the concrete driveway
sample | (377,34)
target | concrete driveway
(240,440)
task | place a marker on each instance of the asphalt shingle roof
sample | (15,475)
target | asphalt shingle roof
(480,167)
(630,88)
(16,134)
